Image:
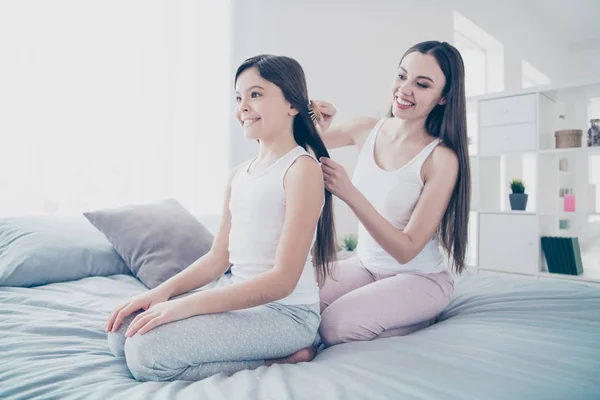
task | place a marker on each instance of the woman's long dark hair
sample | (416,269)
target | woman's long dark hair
(449,123)
(288,75)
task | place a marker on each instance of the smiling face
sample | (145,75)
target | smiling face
(262,110)
(418,87)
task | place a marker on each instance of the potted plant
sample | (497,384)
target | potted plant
(348,245)
(518,197)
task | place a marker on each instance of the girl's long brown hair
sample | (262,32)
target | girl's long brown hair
(289,76)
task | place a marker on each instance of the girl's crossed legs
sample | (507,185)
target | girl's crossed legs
(198,347)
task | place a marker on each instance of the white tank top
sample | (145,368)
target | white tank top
(394,194)
(257,206)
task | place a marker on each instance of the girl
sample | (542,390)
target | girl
(411,193)
(275,209)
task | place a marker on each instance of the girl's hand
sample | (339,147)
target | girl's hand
(160,314)
(328,111)
(336,179)
(140,302)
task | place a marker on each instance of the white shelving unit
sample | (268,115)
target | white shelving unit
(515,139)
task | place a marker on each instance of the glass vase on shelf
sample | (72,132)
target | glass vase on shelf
(593,134)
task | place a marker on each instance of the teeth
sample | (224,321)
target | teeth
(404,103)
(248,122)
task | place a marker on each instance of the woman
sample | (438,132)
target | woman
(411,193)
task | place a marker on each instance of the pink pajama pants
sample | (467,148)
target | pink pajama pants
(366,304)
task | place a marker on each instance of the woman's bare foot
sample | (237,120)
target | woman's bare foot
(304,355)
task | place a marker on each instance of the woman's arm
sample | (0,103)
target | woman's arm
(348,133)
(441,173)
(304,197)
(210,266)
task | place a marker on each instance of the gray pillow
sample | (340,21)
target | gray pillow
(156,240)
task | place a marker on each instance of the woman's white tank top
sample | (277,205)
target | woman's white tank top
(394,194)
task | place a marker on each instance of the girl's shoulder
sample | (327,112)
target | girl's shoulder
(304,168)
(234,171)
(306,161)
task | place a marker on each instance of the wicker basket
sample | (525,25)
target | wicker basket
(568,138)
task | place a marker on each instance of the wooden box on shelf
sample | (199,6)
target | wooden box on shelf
(568,138)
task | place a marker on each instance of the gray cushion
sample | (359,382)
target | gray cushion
(156,240)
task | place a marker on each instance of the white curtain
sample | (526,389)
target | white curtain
(113,102)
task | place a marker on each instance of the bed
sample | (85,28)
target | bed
(500,338)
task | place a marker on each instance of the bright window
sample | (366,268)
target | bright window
(483,57)
(111,103)
(594,108)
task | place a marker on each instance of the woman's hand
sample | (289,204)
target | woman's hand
(143,301)
(328,111)
(160,314)
(336,179)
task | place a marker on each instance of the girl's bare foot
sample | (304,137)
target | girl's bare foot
(304,355)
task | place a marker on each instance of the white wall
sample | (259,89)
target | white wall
(350,50)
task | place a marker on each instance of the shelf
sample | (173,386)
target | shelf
(507,212)
(515,139)
(571,150)
(508,153)
(542,214)
(591,275)
(588,276)
(567,151)
(512,274)
(547,90)
(569,214)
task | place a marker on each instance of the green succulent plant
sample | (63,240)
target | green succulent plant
(349,242)
(517,186)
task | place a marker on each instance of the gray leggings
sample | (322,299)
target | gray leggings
(204,345)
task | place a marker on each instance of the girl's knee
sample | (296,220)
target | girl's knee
(116,340)
(116,344)
(140,358)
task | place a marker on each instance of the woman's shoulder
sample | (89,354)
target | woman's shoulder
(365,122)
(443,152)
(359,125)
(443,158)
(362,127)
